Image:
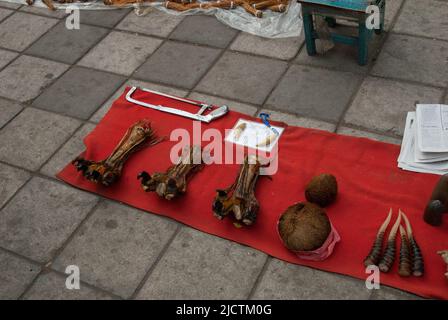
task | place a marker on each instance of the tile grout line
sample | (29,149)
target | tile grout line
(88,285)
(70,66)
(259,277)
(130,76)
(341,121)
(8,15)
(213,64)
(15,116)
(49,269)
(17,191)
(190,91)
(156,262)
(100,198)
(79,127)
(289,63)
(59,250)
(22,52)
(168,38)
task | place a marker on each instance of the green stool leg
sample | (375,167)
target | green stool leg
(309,33)
(382,15)
(363,43)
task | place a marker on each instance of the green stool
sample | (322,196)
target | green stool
(349,9)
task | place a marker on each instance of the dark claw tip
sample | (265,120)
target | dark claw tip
(143,175)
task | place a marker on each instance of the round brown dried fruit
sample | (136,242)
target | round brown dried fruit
(322,190)
(304,227)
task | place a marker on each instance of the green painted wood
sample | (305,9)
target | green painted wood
(342,8)
(358,5)
(310,38)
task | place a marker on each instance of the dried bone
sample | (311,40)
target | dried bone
(375,253)
(239,198)
(389,254)
(174,182)
(109,170)
(49,4)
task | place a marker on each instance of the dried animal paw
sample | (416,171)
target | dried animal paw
(173,183)
(109,170)
(239,198)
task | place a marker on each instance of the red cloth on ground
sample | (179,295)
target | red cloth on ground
(369,184)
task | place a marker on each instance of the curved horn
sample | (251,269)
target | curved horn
(374,255)
(418,266)
(389,254)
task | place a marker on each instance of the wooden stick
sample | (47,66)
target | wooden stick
(278,8)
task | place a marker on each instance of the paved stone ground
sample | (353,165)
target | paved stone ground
(55,85)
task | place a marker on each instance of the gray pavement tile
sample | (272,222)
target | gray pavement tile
(15,275)
(10,5)
(26,77)
(246,78)
(426,18)
(120,52)
(315,93)
(284,48)
(233,105)
(79,92)
(32,137)
(201,266)
(115,248)
(392,8)
(205,30)
(103,18)
(177,64)
(21,29)
(342,57)
(41,216)
(68,152)
(364,134)
(106,106)
(416,59)
(12,179)
(58,14)
(287,281)
(4,13)
(382,104)
(293,120)
(6,57)
(155,23)
(388,293)
(51,286)
(64,45)
(8,110)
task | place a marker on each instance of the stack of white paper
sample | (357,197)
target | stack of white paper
(425,140)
